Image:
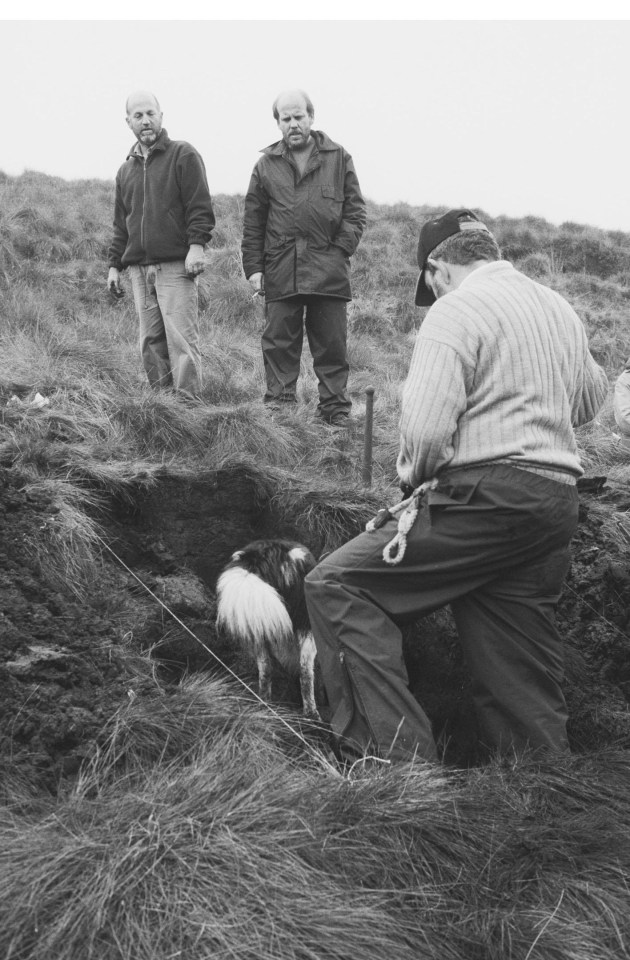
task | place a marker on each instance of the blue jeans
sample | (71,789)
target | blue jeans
(166,303)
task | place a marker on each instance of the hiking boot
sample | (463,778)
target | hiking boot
(338,420)
(279,409)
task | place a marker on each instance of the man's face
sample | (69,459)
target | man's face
(294,122)
(145,119)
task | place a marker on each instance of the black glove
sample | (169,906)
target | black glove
(406,489)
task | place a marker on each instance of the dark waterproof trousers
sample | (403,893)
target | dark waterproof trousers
(326,328)
(492,543)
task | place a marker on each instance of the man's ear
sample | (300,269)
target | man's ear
(441,268)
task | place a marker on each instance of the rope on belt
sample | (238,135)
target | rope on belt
(406,511)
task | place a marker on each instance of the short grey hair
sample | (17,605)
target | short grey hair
(466,247)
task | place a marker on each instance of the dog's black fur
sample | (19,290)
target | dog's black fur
(261,606)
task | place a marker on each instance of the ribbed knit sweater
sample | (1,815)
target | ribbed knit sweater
(500,373)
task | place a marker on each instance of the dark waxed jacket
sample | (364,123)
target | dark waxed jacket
(300,232)
(162,205)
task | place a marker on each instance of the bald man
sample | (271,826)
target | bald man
(163,219)
(304,216)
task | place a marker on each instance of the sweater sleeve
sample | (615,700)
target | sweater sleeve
(434,397)
(254,226)
(594,391)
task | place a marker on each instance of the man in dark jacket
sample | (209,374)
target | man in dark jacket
(304,216)
(163,219)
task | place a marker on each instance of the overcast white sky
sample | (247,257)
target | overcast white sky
(515,117)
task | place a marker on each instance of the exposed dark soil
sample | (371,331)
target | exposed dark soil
(66,665)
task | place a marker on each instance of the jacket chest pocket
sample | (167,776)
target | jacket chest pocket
(330,195)
(329,204)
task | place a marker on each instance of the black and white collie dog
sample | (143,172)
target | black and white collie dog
(261,606)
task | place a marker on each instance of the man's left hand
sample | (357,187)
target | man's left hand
(195,262)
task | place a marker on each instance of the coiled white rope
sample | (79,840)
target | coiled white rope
(406,511)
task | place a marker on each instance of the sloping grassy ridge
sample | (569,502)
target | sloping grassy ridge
(152,820)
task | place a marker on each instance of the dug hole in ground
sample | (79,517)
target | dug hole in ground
(70,658)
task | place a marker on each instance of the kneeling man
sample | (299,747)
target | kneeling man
(501,372)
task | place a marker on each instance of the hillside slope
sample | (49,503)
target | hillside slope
(152,808)
(94,479)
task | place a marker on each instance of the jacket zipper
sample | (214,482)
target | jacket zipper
(144,198)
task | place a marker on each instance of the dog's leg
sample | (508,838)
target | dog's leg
(308,652)
(264,675)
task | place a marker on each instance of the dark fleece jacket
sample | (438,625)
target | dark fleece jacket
(162,205)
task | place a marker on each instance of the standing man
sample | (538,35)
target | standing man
(500,372)
(163,219)
(304,216)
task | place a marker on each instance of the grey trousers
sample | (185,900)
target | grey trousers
(493,543)
(166,302)
(326,328)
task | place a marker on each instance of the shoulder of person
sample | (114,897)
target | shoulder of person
(324,142)
(182,147)
(273,150)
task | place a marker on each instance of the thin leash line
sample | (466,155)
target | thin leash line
(264,703)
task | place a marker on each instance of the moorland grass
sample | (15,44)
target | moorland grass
(203,828)
(203,825)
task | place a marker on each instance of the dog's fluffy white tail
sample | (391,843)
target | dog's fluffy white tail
(254,612)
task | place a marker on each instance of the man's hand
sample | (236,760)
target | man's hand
(195,262)
(256,282)
(113,283)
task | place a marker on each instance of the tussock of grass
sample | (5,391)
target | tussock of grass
(158,424)
(202,829)
(249,430)
(67,546)
(330,516)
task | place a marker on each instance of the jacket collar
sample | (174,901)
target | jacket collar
(322,142)
(159,146)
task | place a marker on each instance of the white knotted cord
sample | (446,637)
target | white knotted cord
(406,511)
